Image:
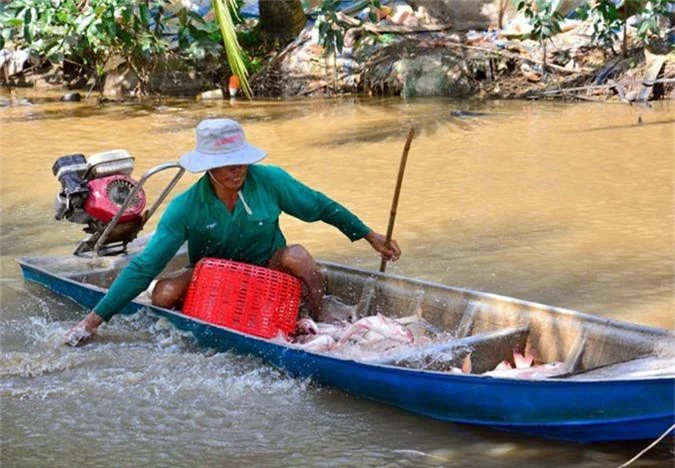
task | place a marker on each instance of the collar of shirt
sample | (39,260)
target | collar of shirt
(206,192)
(208,195)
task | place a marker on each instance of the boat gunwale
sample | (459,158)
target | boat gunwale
(25,261)
(596,319)
(563,311)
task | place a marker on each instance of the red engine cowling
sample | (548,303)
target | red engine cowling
(107,194)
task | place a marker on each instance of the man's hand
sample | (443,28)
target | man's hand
(389,252)
(83,331)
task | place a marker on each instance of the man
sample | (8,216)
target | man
(232,212)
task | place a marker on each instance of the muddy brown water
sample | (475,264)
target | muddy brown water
(564,204)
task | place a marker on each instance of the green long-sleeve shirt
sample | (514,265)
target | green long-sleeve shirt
(249,234)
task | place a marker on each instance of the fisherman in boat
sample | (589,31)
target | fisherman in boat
(232,212)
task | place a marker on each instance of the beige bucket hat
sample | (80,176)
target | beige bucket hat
(220,142)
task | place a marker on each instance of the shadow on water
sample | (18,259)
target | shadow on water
(544,452)
(253,111)
(260,111)
(636,125)
(375,132)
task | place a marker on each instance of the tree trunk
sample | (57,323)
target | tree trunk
(544,74)
(281,19)
(624,45)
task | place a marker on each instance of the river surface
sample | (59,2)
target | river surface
(565,204)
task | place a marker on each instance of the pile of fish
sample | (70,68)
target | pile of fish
(366,338)
(376,338)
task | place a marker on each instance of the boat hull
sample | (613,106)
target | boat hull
(579,411)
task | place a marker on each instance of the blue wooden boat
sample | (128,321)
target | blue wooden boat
(618,381)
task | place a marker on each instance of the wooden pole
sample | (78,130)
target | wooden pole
(397,191)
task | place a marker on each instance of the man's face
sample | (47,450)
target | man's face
(230,177)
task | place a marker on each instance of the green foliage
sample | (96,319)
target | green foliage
(545,21)
(606,20)
(91,32)
(249,37)
(331,28)
(543,17)
(374,5)
(652,12)
(196,37)
(331,32)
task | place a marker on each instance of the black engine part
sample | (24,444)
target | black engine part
(70,170)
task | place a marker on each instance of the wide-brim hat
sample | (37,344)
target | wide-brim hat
(220,142)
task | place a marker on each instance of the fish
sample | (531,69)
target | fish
(522,361)
(305,326)
(318,343)
(543,371)
(308,327)
(503,366)
(334,331)
(373,350)
(423,332)
(466,366)
(377,327)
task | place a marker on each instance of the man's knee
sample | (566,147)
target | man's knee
(169,292)
(295,258)
(164,294)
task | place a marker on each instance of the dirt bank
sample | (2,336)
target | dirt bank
(432,59)
(411,53)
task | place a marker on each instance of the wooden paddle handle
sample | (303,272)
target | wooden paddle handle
(397,191)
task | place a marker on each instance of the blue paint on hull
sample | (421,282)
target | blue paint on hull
(579,411)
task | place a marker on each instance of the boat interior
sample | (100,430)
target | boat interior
(492,327)
(489,327)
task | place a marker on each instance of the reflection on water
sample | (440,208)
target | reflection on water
(569,205)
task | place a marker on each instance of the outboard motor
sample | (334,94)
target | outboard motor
(92,193)
(70,201)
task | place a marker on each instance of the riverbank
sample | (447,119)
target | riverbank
(429,58)
(401,57)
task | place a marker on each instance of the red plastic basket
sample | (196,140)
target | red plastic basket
(248,298)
